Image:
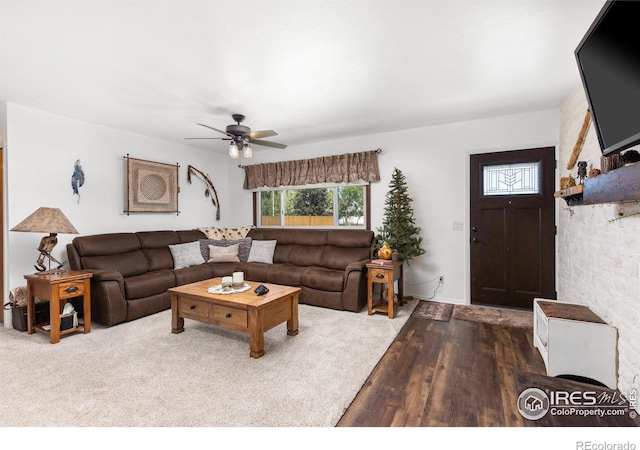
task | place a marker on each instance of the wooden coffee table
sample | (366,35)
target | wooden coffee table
(244,311)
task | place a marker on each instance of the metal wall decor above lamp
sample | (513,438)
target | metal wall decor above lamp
(47,220)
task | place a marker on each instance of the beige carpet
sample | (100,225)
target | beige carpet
(495,316)
(140,374)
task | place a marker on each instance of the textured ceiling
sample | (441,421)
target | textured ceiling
(310,70)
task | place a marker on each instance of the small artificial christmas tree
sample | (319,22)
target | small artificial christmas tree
(398,227)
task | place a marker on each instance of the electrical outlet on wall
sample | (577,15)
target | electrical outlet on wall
(458,226)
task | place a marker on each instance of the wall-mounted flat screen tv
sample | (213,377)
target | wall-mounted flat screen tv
(609,64)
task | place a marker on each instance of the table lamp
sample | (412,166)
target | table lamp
(47,220)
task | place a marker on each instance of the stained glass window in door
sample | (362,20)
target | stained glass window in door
(512,179)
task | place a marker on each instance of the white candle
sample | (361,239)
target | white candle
(226,281)
(238,278)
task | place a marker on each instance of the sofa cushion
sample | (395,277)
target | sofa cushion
(223,254)
(224,269)
(150,283)
(157,239)
(185,255)
(190,235)
(192,274)
(106,244)
(155,246)
(158,258)
(350,238)
(128,263)
(323,279)
(285,274)
(306,255)
(282,235)
(339,258)
(253,271)
(262,251)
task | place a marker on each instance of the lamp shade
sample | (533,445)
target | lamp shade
(46,220)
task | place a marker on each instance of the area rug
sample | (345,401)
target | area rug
(139,374)
(494,316)
(427,309)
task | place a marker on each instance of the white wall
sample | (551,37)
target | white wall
(600,260)
(435,162)
(43,147)
(3,256)
(41,151)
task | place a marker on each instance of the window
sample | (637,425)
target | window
(511,179)
(319,207)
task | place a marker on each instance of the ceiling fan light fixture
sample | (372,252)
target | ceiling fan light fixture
(233,150)
(248,151)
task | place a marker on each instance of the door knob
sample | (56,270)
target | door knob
(474,229)
(475,240)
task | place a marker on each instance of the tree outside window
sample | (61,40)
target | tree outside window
(341,206)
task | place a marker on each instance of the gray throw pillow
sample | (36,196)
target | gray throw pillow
(185,255)
(244,247)
(262,251)
(205,243)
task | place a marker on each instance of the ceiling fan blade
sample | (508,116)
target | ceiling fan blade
(215,129)
(224,139)
(267,143)
(260,134)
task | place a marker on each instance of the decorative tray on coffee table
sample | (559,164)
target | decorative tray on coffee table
(218,289)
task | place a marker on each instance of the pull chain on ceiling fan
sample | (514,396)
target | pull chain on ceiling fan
(242,137)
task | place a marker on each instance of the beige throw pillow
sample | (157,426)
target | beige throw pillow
(223,254)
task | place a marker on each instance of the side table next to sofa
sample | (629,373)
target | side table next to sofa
(58,288)
(385,274)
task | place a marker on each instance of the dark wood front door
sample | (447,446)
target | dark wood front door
(512,227)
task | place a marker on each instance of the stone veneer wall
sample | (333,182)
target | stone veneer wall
(599,249)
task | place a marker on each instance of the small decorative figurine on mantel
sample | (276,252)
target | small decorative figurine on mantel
(582,171)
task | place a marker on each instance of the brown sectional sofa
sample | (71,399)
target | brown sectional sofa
(133,271)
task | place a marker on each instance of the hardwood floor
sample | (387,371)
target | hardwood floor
(449,374)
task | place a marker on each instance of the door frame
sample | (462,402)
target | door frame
(3,217)
(467,212)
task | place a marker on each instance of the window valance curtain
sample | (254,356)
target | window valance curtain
(345,168)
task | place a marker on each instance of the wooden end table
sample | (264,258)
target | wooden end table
(58,288)
(385,274)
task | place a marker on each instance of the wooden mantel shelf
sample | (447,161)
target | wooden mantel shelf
(620,185)
(572,195)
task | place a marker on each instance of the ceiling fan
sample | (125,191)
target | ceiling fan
(242,137)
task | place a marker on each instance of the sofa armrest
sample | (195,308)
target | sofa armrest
(105,275)
(108,302)
(354,296)
(358,266)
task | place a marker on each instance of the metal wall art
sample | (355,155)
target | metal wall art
(77,179)
(210,190)
(151,186)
